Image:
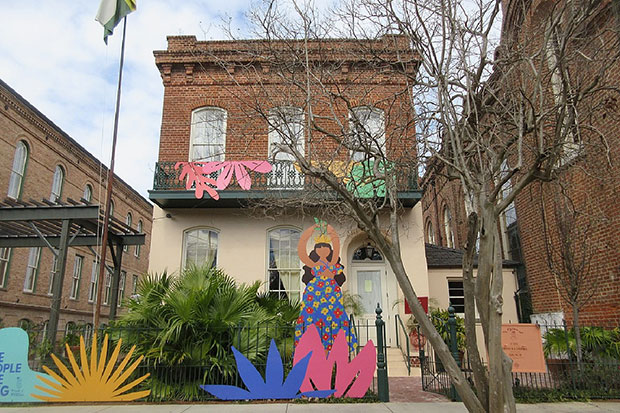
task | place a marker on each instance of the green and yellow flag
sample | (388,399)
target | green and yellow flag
(111,12)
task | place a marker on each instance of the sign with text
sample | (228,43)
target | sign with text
(523,344)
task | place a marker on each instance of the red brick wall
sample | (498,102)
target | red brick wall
(48,147)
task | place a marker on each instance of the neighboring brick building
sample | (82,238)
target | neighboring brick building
(234,101)
(43,162)
(589,183)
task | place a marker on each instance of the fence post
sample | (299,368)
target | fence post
(453,348)
(382,375)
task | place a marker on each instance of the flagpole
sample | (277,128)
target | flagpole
(106,219)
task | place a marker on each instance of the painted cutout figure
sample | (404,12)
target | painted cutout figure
(323,275)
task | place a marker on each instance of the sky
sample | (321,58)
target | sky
(52,53)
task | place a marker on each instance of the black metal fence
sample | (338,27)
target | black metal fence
(596,374)
(178,365)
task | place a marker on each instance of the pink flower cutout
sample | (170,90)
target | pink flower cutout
(239,168)
(192,173)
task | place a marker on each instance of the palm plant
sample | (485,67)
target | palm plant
(188,324)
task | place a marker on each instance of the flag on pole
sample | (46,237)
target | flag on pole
(111,12)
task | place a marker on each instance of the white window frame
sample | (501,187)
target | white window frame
(5,257)
(108,287)
(128,221)
(32,269)
(111,209)
(18,170)
(76,277)
(94,279)
(57,183)
(134,284)
(370,136)
(88,193)
(215,144)
(121,288)
(452,290)
(53,272)
(286,126)
(447,225)
(212,234)
(293,271)
(136,253)
(430,234)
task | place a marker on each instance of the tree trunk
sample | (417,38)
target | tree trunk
(577,334)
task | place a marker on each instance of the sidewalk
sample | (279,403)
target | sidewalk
(440,407)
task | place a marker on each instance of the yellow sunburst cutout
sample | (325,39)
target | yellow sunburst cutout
(98,381)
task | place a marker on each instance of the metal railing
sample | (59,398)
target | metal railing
(285,175)
(404,349)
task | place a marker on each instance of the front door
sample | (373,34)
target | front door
(370,285)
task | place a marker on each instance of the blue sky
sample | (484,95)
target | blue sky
(52,53)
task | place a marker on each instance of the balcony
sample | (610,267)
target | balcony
(283,181)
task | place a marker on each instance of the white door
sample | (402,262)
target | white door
(370,284)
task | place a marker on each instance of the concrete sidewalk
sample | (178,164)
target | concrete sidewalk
(441,407)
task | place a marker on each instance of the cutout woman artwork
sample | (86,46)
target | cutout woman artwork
(323,275)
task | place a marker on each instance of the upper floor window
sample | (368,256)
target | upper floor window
(5,255)
(32,269)
(18,170)
(447,224)
(53,272)
(200,247)
(77,276)
(510,213)
(283,266)
(430,235)
(286,130)
(94,281)
(121,288)
(128,221)
(208,134)
(88,193)
(111,209)
(59,177)
(139,229)
(368,133)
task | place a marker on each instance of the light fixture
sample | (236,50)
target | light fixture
(370,251)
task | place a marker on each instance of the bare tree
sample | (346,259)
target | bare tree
(448,86)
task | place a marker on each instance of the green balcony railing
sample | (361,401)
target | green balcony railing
(286,176)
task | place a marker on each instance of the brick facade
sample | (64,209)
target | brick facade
(48,146)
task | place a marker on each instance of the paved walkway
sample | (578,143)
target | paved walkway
(439,407)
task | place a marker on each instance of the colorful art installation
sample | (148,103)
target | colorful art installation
(322,304)
(353,379)
(196,175)
(98,380)
(362,181)
(18,384)
(273,386)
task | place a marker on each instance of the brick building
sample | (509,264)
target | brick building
(232,103)
(43,162)
(535,228)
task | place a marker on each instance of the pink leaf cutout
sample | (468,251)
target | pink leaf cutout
(361,368)
(225,176)
(243,176)
(192,173)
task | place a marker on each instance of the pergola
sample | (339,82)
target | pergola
(59,226)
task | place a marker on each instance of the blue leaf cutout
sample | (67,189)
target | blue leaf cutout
(297,374)
(318,393)
(274,373)
(227,392)
(250,376)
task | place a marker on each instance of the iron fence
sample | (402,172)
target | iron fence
(177,366)
(596,374)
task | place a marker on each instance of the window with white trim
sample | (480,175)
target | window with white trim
(59,177)
(200,247)
(134,284)
(139,229)
(121,288)
(286,131)
(447,225)
(128,221)
(111,209)
(108,287)
(208,134)
(283,264)
(92,290)
(18,170)
(430,235)
(457,295)
(77,275)
(32,268)
(510,213)
(5,255)
(53,272)
(367,133)
(88,193)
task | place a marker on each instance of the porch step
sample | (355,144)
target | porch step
(396,364)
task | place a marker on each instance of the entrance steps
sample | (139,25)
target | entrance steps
(396,365)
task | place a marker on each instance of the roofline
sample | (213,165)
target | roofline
(65,135)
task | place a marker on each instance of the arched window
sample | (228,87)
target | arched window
(88,193)
(111,209)
(367,252)
(430,235)
(283,264)
(367,133)
(139,229)
(200,247)
(286,128)
(128,223)
(18,170)
(25,324)
(208,134)
(59,177)
(447,224)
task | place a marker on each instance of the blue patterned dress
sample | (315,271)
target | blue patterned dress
(322,306)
